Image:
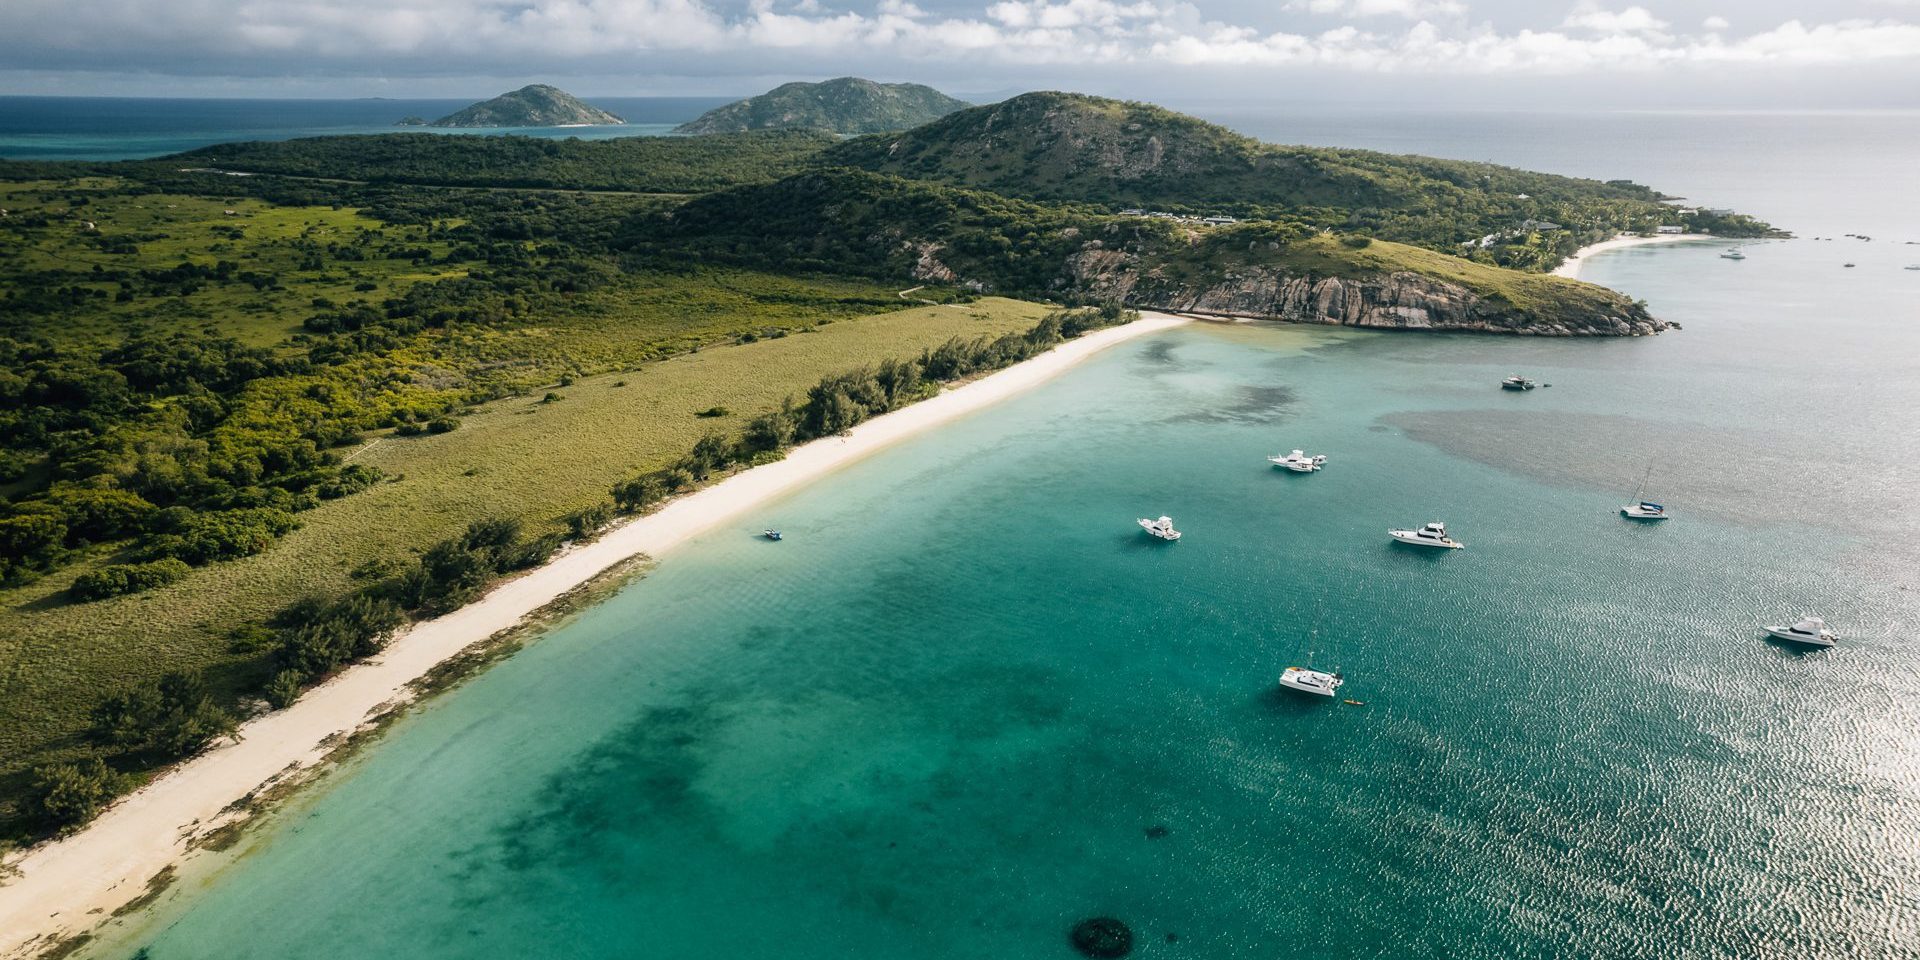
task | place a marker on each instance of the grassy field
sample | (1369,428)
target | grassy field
(159,231)
(523,457)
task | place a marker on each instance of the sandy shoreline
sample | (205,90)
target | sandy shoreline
(1571,268)
(69,886)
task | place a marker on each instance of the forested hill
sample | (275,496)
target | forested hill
(1062,146)
(535,105)
(848,105)
(852,222)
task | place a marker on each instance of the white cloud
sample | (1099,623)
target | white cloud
(542,37)
(1410,9)
(1590,16)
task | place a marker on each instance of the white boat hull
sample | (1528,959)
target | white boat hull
(1414,539)
(1162,528)
(1635,513)
(1311,682)
(1823,639)
(1298,461)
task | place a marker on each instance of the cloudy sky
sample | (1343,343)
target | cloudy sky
(1656,53)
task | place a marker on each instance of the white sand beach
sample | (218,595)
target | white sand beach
(66,887)
(1571,268)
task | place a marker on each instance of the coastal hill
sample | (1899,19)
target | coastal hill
(851,222)
(848,105)
(1071,147)
(535,105)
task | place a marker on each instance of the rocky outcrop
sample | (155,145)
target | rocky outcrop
(1390,301)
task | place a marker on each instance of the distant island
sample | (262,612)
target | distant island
(848,106)
(535,105)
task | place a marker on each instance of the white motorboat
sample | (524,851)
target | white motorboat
(1162,528)
(1299,462)
(1645,510)
(1432,535)
(1517,382)
(1811,631)
(1315,682)
(1733,254)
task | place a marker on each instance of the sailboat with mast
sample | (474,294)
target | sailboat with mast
(1642,508)
(1307,680)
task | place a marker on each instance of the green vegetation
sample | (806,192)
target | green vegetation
(852,222)
(504,461)
(534,105)
(848,105)
(1069,147)
(635,164)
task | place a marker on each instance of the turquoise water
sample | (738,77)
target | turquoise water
(967,703)
(127,128)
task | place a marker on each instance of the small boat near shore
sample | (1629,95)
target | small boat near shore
(1809,631)
(1517,382)
(1299,462)
(1432,535)
(1733,254)
(1314,682)
(1161,528)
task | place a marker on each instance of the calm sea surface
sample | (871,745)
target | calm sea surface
(966,703)
(128,128)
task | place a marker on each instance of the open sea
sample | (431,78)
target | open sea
(966,703)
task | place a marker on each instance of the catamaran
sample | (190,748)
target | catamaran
(1811,631)
(1432,535)
(1299,462)
(1517,382)
(1315,682)
(1641,509)
(1162,528)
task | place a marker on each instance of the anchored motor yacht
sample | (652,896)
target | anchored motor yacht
(1811,631)
(1162,528)
(1432,535)
(1315,682)
(771,534)
(1733,254)
(1517,382)
(1299,462)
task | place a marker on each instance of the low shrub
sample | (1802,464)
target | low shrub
(123,578)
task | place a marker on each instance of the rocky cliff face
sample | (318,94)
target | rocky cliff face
(1392,301)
